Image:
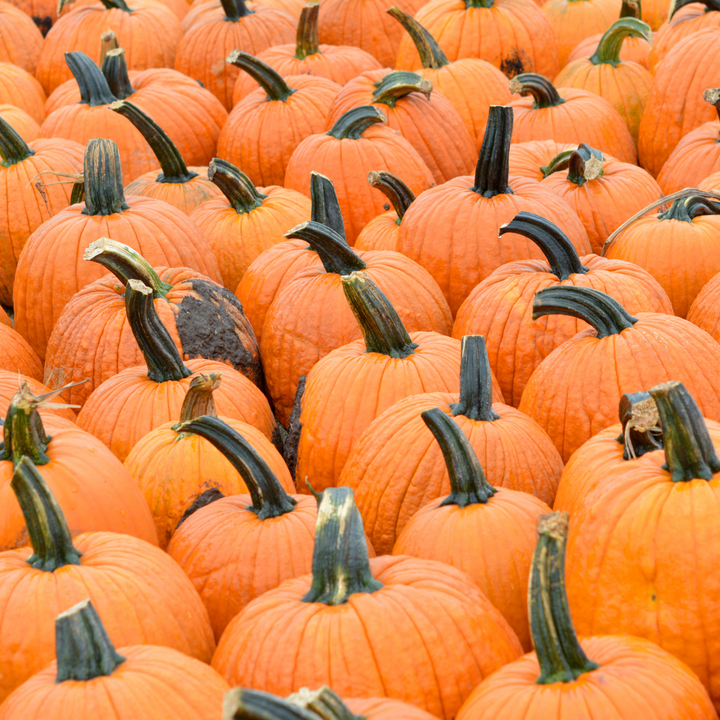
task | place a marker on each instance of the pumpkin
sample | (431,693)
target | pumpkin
(237,548)
(18,87)
(306,56)
(568,115)
(138,589)
(677,247)
(23,124)
(675,105)
(161,233)
(148,31)
(603,193)
(351,386)
(470,84)
(42,12)
(358,143)
(93,340)
(10,383)
(381,233)
(573,21)
(200,10)
(90,679)
(619,676)
(396,467)
(642,511)
(501,307)
(263,129)
(513,35)
(427,120)
(697,155)
(532,159)
(462,253)
(231,26)
(20,38)
(620,353)
(245,220)
(293,341)
(184,188)
(17,355)
(704,310)
(28,206)
(399,604)
(711,183)
(174,467)
(625,85)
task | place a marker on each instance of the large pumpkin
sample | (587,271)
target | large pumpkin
(705,310)
(532,158)
(10,383)
(20,38)
(18,87)
(16,354)
(20,121)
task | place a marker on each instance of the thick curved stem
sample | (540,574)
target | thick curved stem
(554,243)
(688,208)
(476,391)
(394,189)
(275,87)
(689,450)
(24,434)
(244,704)
(544,93)
(199,397)
(430,52)
(115,72)
(355,122)
(493,166)
(631,8)
(235,9)
(325,203)
(608,49)
(641,425)
(94,89)
(103,180)
(382,329)
(325,703)
(13,149)
(710,5)
(335,254)
(560,162)
(585,164)
(235,185)
(397,85)
(307,40)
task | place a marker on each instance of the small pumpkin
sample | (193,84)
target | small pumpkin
(20,88)
(10,383)
(531,159)
(21,38)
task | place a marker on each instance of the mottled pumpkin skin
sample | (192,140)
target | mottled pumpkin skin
(386,632)
(19,87)
(529,157)
(695,157)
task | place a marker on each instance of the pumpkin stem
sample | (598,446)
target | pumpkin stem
(115,72)
(235,185)
(235,9)
(355,122)
(710,5)
(712,95)
(13,149)
(560,162)
(631,8)
(174,169)
(276,89)
(269,500)
(335,254)
(325,204)
(244,704)
(608,49)
(394,189)
(475,382)
(688,208)
(641,425)
(467,479)
(544,93)
(102,177)
(116,5)
(125,264)
(585,164)
(604,313)
(94,90)
(554,243)
(479,3)
(325,703)
(430,52)
(46,525)
(83,648)
(24,432)
(340,566)
(199,397)
(689,451)
(108,41)
(493,166)
(307,40)
(161,356)
(559,654)
(382,328)
(397,85)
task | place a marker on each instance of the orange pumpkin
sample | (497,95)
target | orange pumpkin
(263,130)
(18,87)
(531,159)
(704,310)
(426,119)
(16,354)
(568,115)
(10,383)
(159,232)
(711,183)
(42,12)
(23,124)
(462,253)
(20,38)
(654,13)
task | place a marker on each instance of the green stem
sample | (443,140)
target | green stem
(605,314)
(688,208)
(544,93)
(355,122)
(103,180)
(710,6)
(115,72)
(340,566)
(83,648)
(235,185)
(199,397)
(324,703)
(13,149)
(712,96)
(46,525)
(161,356)
(335,254)
(429,50)
(479,3)
(585,164)
(94,90)
(276,89)
(493,166)
(641,425)
(555,245)
(244,704)
(24,432)
(398,84)
(235,9)
(608,49)
(125,264)
(269,500)
(559,654)
(467,479)
(77,194)
(307,40)
(116,5)
(689,450)
(394,189)
(476,391)
(171,162)
(631,8)
(325,203)
(560,162)
(379,322)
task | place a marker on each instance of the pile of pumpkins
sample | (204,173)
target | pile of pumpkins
(359,360)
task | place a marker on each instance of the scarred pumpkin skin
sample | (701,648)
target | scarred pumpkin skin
(20,88)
